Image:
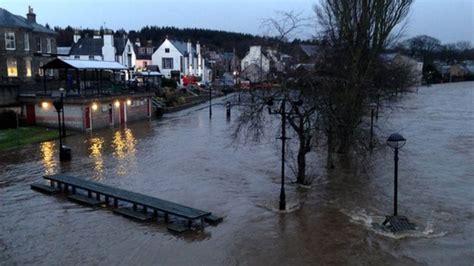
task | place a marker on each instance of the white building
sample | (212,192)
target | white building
(180,58)
(257,57)
(103,48)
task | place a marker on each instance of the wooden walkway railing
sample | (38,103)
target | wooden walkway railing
(106,194)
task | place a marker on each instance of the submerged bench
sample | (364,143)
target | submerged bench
(71,184)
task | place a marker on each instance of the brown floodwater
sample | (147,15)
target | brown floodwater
(189,159)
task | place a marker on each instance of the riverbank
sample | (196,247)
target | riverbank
(15,137)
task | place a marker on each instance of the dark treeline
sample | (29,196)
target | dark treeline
(215,40)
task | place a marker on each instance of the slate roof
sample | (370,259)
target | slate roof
(119,44)
(87,46)
(8,19)
(182,47)
(309,50)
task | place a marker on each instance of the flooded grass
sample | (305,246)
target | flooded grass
(14,137)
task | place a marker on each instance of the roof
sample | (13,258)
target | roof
(182,47)
(87,46)
(82,64)
(63,50)
(8,19)
(309,50)
(119,43)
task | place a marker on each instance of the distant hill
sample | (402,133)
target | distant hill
(215,40)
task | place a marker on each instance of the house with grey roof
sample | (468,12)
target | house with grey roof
(104,47)
(179,59)
(25,46)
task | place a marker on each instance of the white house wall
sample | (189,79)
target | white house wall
(159,54)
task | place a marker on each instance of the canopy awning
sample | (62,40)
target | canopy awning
(83,64)
(148,73)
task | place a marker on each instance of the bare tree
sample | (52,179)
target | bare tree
(297,108)
(355,33)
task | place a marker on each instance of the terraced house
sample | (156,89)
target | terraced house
(24,47)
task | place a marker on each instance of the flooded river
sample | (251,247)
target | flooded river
(189,159)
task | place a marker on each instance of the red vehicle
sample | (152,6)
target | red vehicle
(189,80)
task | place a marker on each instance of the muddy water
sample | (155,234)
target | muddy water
(190,159)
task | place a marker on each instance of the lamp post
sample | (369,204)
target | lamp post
(64,151)
(210,101)
(61,91)
(282,111)
(396,142)
(372,110)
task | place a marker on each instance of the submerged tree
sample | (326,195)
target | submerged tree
(354,34)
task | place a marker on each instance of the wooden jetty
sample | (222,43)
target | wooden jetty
(95,194)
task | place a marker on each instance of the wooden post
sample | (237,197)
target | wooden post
(134,206)
(73,190)
(155,213)
(106,200)
(166,217)
(145,210)
(89,194)
(97,196)
(66,188)
(115,202)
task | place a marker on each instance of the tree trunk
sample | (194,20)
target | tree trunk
(301,173)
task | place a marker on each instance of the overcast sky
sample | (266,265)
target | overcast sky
(447,20)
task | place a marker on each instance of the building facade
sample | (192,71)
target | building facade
(25,46)
(180,58)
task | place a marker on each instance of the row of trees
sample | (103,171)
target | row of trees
(326,105)
(428,49)
(215,40)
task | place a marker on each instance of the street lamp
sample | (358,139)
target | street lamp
(396,142)
(61,91)
(64,152)
(397,223)
(282,111)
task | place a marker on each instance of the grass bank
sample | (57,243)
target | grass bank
(25,135)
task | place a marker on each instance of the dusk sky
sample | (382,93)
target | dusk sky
(447,20)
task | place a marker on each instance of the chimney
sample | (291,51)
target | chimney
(97,34)
(108,37)
(198,48)
(189,46)
(77,36)
(137,42)
(31,17)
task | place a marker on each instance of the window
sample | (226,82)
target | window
(77,57)
(28,67)
(167,50)
(91,57)
(128,49)
(141,50)
(48,45)
(27,42)
(10,41)
(40,70)
(167,63)
(39,45)
(12,67)
(149,50)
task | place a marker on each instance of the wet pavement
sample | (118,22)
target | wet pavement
(189,159)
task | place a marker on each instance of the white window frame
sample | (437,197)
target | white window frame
(14,64)
(27,41)
(9,40)
(29,73)
(39,45)
(49,45)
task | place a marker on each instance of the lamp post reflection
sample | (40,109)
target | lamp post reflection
(124,144)
(47,154)
(96,148)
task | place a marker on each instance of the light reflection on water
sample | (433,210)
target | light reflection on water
(96,149)
(124,144)
(47,155)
